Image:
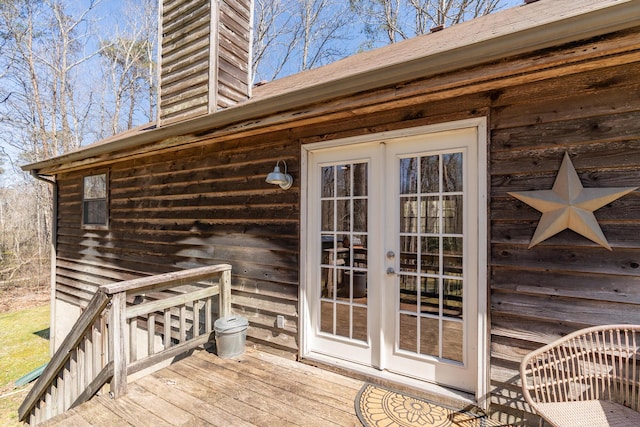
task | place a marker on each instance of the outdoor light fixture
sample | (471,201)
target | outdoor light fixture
(284,180)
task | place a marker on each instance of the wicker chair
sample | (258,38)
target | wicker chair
(587,378)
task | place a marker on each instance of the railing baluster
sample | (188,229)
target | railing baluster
(208,316)
(151,334)
(196,319)
(133,339)
(183,323)
(167,328)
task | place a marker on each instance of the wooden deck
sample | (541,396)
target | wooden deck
(256,389)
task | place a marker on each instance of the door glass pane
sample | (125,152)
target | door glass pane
(452,340)
(326,317)
(344,259)
(327,222)
(430,255)
(343,317)
(430,214)
(360,182)
(360,323)
(452,298)
(431,252)
(408,294)
(343,176)
(452,214)
(429,336)
(360,215)
(452,174)
(430,174)
(408,253)
(408,176)
(452,256)
(343,214)
(408,214)
(327,183)
(430,295)
(408,333)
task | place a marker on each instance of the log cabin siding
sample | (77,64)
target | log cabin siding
(205,55)
(208,203)
(197,206)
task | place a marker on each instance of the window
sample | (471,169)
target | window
(94,200)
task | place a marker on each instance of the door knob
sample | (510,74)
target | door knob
(391,254)
(391,270)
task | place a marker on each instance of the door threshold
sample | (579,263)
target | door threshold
(455,399)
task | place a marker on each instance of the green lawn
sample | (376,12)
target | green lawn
(24,346)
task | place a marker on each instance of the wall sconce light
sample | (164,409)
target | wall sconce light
(284,180)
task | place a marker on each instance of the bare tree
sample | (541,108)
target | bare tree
(46,104)
(389,21)
(129,65)
(296,35)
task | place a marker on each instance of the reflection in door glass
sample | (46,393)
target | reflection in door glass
(344,259)
(430,317)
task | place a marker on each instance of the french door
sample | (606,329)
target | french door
(392,266)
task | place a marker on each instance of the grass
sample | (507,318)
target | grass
(24,346)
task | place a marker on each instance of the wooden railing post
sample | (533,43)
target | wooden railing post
(117,346)
(224,299)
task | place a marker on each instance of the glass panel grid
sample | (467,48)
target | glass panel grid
(344,249)
(431,244)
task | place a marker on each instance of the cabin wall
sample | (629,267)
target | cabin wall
(194,207)
(209,204)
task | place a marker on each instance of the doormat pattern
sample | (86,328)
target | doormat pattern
(380,407)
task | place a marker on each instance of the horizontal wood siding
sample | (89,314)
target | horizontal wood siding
(234,52)
(205,65)
(208,204)
(566,282)
(195,207)
(185,57)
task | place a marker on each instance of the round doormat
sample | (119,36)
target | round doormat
(380,407)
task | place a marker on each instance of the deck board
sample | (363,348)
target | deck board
(256,389)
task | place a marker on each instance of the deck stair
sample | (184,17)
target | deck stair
(123,331)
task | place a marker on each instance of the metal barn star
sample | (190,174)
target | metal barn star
(569,205)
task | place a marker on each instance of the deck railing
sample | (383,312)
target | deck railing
(127,327)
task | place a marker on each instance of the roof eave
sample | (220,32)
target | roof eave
(580,26)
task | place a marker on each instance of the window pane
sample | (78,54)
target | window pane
(360,179)
(326,317)
(408,328)
(95,187)
(360,215)
(327,181)
(452,340)
(430,221)
(452,214)
(430,174)
(452,173)
(408,253)
(360,323)
(95,212)
(429,336)
(452,298)
(408,215)
(430,295)
(327,215)
(408,294)
(344,215)
(408,176)
(343,173)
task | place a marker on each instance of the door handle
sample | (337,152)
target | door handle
(391,271)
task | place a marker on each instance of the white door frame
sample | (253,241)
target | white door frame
(480,125)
